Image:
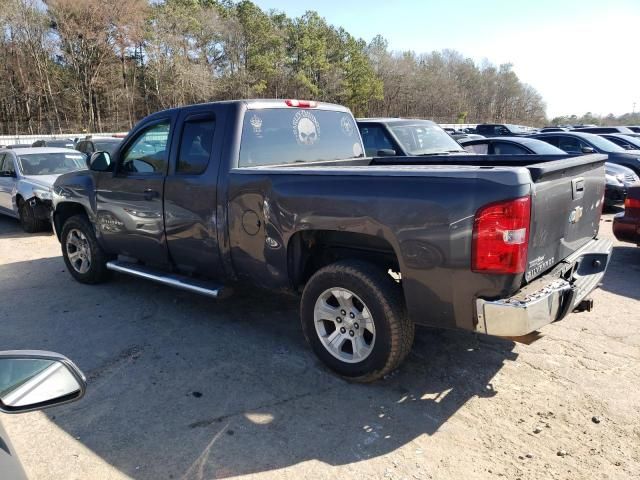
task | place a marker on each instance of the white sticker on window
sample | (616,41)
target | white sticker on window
(74,157)
(347,125)
(256,123)
(305,127)
(357,149)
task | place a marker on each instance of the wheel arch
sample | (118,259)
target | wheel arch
(310,250)
(63,212)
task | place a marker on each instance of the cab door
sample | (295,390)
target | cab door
(190,195)
(129,200)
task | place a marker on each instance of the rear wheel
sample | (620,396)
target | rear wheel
(83,255)
(354,317)
(30,223)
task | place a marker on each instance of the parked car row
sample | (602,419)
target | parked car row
(626,225)
(402,137)
(509,130)
(27,174)
(88,145)
(26,179)
(618,178)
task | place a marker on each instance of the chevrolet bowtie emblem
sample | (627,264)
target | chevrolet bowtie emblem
(575,215)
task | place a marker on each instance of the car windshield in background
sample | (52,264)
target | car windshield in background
(51,163)
(296,135)
(544,148)
(60,143)
(108,147)
(604,144)
(517,129)
(424,139)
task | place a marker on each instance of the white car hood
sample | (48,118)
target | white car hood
(41,180)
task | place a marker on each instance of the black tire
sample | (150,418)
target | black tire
(97,271)
(383,297)
(28,220)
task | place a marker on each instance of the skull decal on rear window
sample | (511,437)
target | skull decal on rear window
(305,127)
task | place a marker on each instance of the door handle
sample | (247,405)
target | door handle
(150,194)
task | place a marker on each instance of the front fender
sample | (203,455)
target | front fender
(74,193)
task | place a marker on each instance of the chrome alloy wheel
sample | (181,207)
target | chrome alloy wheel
(78,251)
(344,325)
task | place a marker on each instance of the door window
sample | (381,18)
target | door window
(83,147)
(6,163)
(505,148)
(148,152)
(195,146)
(479,148)
(570,144)
(551,140)
(374,139)
(621,142)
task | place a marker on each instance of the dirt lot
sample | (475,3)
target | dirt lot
(181,386)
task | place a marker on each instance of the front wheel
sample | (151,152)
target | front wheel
(30,223)
(354,317)
(82,253)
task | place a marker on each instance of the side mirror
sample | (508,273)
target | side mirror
(100,162)
(588,150)
(386,152)
(8,174)
(32,380)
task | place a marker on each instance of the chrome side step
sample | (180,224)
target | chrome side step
(171,279)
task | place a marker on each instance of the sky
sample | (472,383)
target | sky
(582,56)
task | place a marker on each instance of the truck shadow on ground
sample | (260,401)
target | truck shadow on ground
(623,272)
(181,386)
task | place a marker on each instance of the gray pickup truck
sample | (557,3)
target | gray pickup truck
(279,194)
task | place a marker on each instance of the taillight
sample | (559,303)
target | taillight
(301,103)
(632,203)
(501,237)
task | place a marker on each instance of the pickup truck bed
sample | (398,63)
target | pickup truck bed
(286,201)
(436,199)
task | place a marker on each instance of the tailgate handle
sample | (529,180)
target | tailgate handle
(577,188)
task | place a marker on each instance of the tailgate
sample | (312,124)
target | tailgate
(566,207)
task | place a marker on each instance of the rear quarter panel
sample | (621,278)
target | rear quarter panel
(425,214)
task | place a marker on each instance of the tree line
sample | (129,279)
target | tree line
(101,65)
(592,119)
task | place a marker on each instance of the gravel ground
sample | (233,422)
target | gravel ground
(183,387)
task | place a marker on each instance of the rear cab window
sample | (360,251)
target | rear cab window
(275,136)
(196,144)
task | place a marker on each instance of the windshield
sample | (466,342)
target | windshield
(544,148)
(296,135)
(424,139)
(604,144)
(50,163)
(631,140)
(60,143)
(108,147)
(517,128)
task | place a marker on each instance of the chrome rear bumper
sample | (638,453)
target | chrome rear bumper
(549,298)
